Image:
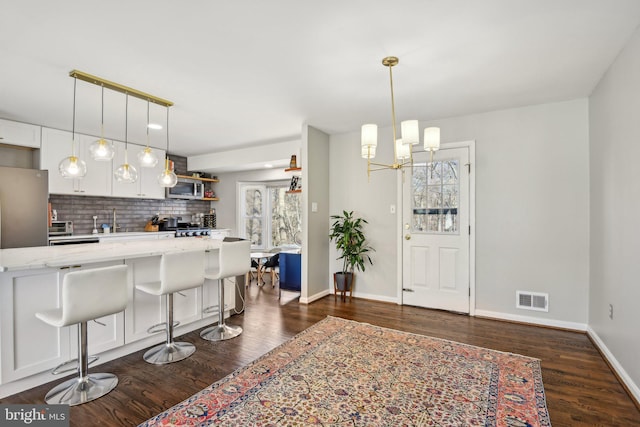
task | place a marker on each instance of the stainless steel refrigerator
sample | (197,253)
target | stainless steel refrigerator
(24,197)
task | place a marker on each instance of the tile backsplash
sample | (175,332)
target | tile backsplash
(131,214)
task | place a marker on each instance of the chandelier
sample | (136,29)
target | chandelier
(101,150)
(402,146)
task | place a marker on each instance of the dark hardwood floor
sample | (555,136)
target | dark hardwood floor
(580,387)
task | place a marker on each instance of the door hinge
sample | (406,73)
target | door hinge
(468,165)
(469,230)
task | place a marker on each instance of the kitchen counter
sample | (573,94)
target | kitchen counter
(56,256)
(103,236)
(31,281)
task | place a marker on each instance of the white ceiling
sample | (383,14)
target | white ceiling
(242,73)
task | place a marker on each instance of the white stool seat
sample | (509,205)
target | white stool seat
(233,260)
(179,271)
(87,295)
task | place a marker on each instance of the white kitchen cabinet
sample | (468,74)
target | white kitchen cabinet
(146,186)
(145,310)
(27,344)
(56,145)
(22,134)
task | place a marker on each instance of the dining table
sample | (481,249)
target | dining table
(261,258)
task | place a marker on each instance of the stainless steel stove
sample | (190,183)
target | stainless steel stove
(192,231)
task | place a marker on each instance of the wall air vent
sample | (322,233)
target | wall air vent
(532,301)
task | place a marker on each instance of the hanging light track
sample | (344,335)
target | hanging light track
(81,75)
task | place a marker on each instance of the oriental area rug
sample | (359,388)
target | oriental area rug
(344,373)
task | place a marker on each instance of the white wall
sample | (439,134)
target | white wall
(532,201)
(315,190)
(614,117)
(350,191)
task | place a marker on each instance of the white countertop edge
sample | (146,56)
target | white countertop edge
(15,259)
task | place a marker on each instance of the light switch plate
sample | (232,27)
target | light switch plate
(314,207)
(392,209)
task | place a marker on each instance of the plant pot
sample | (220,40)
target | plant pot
(343,283)
(343,280)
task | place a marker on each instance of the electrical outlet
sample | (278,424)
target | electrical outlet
(611,311)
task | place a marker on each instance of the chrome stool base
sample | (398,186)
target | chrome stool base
(220,332)
(167,353)
(77,391)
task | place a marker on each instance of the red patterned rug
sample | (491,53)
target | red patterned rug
(344,373)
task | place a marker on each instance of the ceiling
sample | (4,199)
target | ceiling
(242,73)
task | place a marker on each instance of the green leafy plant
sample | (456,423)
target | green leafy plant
(347,232)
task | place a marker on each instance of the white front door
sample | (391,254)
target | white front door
(436,228)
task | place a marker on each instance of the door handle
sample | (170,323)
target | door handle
(407,237)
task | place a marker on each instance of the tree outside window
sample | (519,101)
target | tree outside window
(270,216)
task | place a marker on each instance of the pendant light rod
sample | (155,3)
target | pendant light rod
(147,122)
(391,61)
(126,123)
(73,122)
(76,74)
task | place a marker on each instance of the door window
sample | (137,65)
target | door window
(435,190)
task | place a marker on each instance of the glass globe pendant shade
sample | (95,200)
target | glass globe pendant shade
(167,178)
(126,174)
(100,150)
(147,158)
(72,167)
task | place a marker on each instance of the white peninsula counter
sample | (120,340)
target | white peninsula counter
(31,281)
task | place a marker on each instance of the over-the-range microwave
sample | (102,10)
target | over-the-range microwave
(186,188)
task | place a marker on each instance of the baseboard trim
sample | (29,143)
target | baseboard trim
(629,385)
(561,324)
(376,297)
(315,297)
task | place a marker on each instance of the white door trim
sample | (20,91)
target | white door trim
(471,145)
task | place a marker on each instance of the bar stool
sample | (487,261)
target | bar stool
(86,295)
(233,257)
(179,271)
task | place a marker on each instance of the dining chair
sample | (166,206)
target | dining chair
(270,267)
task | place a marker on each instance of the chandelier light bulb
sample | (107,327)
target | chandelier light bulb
(72,167)
(126,174)
(167,178)
(147,158)
(100,150)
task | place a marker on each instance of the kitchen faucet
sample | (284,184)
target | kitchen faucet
(115,225)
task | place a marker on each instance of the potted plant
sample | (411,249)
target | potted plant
(347,232)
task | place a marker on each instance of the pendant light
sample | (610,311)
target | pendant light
(126,173)
(167,178)
(100,149)
(402,147)
(146,157)
(73,167)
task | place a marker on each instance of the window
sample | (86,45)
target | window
(435,188)
(269,216)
